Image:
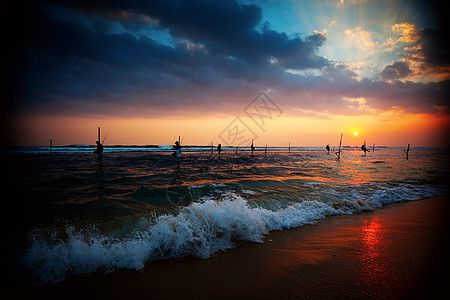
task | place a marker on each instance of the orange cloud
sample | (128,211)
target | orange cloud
(422,52)
(408,33)
(362,38)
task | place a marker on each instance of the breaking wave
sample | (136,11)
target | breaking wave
(200,229)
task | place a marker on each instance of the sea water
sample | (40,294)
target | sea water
(65,216)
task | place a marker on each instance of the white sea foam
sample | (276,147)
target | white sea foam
(249,192)
(217,184)
(198,186)
(200,229)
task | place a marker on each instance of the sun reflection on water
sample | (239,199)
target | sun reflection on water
(373,259)
(372,236)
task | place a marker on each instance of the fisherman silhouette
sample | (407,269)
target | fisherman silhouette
(252,148)
(177,152)
(99,151)
(219,148)
(363,147)
(328,148)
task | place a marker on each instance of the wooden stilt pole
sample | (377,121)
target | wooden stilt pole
(100,154)
(338,153)
(289,148)
(407,152)
(266,149)
(178,158)
(51,145)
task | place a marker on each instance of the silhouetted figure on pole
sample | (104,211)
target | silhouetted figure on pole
(219,148)
(363,147)
(99,152)
(252,148)
(177,152)
(328,148)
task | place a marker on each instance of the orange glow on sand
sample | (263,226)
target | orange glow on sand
(373,255)
(372,237)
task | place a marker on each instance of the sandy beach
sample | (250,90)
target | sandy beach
(395,252)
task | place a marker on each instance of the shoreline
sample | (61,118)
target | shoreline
(393,252)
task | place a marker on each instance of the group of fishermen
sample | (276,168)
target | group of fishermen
(363,148)
(177,153)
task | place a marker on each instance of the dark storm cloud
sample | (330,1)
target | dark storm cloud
(328,93)
(397,70)
(229,29)
(72,53)
(224,27)
(87,57)
(435,45)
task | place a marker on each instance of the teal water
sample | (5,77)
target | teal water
(67,217)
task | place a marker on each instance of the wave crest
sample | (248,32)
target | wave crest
(200,229)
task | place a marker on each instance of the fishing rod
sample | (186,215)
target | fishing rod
(183,137)
(104,138)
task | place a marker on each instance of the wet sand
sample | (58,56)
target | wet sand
(396,252)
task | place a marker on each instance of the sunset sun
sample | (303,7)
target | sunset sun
(355,133)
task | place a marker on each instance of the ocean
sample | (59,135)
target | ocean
(64,216)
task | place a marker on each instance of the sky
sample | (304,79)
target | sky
(226,71)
